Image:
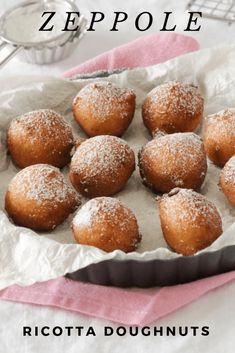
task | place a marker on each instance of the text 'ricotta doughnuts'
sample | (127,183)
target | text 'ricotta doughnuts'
(219,136)
(42,136)
(176,160)
(102,108)
(227,180)
(39,197)
(101,166)
(189,221)
(173,107)
(108,224)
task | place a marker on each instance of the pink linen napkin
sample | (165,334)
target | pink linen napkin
(144,51)
(131,307)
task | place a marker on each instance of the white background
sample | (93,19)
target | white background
(216,309)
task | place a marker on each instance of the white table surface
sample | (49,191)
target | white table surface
(216,309)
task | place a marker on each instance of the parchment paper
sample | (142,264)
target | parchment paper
(27,257)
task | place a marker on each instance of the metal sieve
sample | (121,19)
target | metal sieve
(19,31)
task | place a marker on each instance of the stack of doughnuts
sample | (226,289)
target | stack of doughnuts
(172,164)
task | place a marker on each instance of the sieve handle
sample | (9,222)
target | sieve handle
(11,53)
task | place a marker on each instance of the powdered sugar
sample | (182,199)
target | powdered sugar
(229,171)
(179,152)
(222,122)
(43,124)
(101,155)
(192,207)
(103,98)
(177,97)
(42,183)
(102,209)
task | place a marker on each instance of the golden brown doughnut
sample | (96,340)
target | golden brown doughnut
(101,166)
(102,108)
(219,136)
(189,221)
(175,160)
(227,180)
(173,107)
(41,136)
(108,224)
(39,197)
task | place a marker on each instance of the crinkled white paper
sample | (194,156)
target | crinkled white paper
(25,256)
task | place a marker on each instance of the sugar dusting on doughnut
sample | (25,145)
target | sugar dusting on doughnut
(42,183)
(41,136)
(39,197)
(181,97)
(102,97)
(101,209)
(219,136)
(225,114)
(108,224)
(229,171)
(173,107)
(178,158)
(224,120)
(42,119)
(102,155)
(197,206)
(189,221)
(227,180)
(188,145)
(101,166)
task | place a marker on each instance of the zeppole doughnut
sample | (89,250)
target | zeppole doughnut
(219,136)
(175,160)
(41,136)
(227,180)
(103,108)
(189,221)
(107,224)
(173,107)
(101,166)
(39,197)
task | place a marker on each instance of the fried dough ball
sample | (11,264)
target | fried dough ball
(102,108)
(219,136)
(227,180)
(101,166)
(108,224)
(39,197)
(189,221)
(41,136)
(173,107)
(173,160)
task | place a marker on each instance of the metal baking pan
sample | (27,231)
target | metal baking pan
(154,265)
(157,272)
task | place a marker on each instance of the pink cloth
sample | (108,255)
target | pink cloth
(144,51)
(131,307)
